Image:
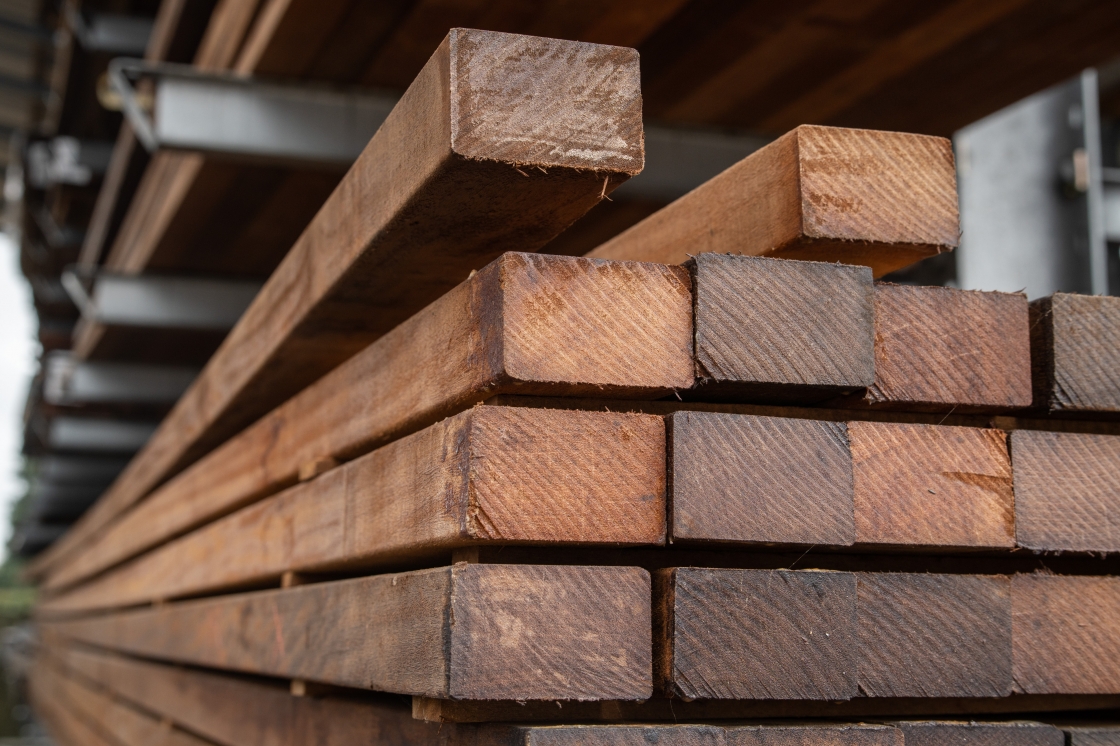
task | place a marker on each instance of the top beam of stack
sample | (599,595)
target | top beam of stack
(500,143)
(881,199)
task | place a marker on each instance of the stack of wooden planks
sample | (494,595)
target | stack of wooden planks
(436,488)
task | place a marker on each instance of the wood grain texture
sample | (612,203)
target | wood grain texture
(467,166)
(1067,491)
(930,486)
(1092,735)
(950,733)
(63,726)
(464,632)
(712,735)
(1075,354)
(942,349)
(934,635)
(489,475)
(525,323)
(880,199)
(755,634)
(780,329)
(1066,633)
(764,480)
(116,722)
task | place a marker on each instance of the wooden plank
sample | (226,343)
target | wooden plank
(1075,354)
(788,635)
(744,479)
(466,632)
(1067,491)
(119,723)
(949,733)
(738,478)
(1066,633)
(460,178)
(241,712)
(755,634)
(491,475)
(948,350)
(1092,735)
(931,486)
(880,199)
(625,328)
(934,635)
(61,724)
(780,329)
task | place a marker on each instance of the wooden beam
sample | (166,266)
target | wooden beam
(934,635)
(738,478)
(118,723)
(755,634)
(491,475)
(948,350)
(781,330)
(950,733)
(625,329)
(829,635)
(1067,491)
(930,486)
(743,479)
(500,143)
(1066,633)
(1092,735)
(1075,355)
(63,726)
(582,633)
(880,199)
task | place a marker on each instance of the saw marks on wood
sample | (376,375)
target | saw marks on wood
(1075,349)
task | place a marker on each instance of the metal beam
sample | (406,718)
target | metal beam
(71,381)
(96,435)
(66,160)
(161,302)
(110,32)
(240,117)
(97,470)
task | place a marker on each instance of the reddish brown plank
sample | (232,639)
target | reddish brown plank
(880,199)
(625,328)
(1067,491)
(950,733)
(492,475)
(495,632)
(780,329)
(942,349)
(1066,634)
(1075,355)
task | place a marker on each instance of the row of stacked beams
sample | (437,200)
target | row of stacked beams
(576,633)
(462,170)
(235,712)
(285,341)
(623,329)
(510,475)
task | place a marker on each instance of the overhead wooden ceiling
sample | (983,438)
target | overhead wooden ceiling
(760,65)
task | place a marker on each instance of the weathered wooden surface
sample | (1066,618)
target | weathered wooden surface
(950,733)
(764,480)
(1092,735)
(942,349)
(58,718)
(1075,354)
(880,199)
(518,632)
(801,734)
(489,475)
(930,486)
(625,329)
(781,330)
(934,635)
(1067,491)
(500,143)
(113,721)
(755,634)
(1066,633)
(775,480)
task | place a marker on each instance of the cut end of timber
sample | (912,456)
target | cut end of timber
(1075,354)
(548,102)
(893,190)
(596,325)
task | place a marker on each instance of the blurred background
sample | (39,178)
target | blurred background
(145,201)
